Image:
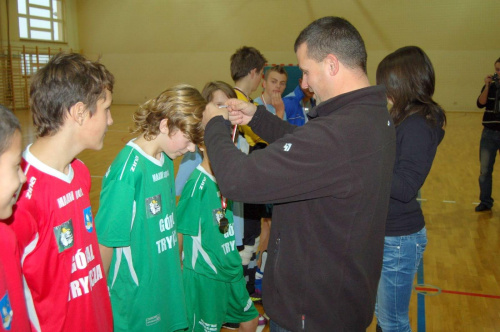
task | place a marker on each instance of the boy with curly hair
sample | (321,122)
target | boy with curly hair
(136,222)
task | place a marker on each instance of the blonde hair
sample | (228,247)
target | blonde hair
(182,105)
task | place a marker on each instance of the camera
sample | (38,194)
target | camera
(494,78)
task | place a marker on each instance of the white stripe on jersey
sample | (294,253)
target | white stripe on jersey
(125,251)
(27,292)
(126,163)
(197,247)
(30,305)
(133,215)
(118,254)
(29,248)
(196,184)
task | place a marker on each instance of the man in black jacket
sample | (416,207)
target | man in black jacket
(329,180)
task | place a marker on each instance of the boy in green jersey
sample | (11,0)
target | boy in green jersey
(213,278)
(136,222)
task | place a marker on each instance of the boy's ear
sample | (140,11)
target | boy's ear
(78,112)
(164,126)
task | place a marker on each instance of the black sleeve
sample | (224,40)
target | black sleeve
(418,143)
(268,126)
(295,167)
(479,105)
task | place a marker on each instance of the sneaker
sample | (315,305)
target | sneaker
(482,207)
(262,320)
(256,297)
(231,326)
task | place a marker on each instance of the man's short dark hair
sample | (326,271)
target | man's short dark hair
(68,78)
(334,35)
(244,60)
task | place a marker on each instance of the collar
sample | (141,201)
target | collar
(372,94)
(244,94)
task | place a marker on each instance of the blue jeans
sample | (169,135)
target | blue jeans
(402,255)
(488,149)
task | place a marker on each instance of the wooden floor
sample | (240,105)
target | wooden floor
(461,259)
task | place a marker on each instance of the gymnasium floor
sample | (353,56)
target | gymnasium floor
(461,270)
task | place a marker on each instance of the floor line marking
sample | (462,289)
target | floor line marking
(430,289)
(444,201)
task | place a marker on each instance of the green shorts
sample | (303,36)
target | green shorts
(211,303)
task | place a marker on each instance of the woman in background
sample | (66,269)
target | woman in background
(409,78)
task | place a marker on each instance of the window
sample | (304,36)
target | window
(33,62)
(41,19)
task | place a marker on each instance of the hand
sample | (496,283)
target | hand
(488,79)
(240,112)
(211,110)
(278,104)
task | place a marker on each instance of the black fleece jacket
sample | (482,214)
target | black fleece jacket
(416,146)
(330,182)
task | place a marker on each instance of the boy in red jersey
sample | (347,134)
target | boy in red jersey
(66,288)
(12,304)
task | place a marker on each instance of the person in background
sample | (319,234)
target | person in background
(188,164)
(247,65)
(298,103)
(489,99)
(274,85)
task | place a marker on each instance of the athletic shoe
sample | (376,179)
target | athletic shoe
(482,207)
(231,326)
(256,297)
(262,320)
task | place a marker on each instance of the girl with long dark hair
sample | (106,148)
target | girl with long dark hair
(409,78)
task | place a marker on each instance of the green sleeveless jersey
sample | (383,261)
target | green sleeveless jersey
(206,250)
(137,218)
